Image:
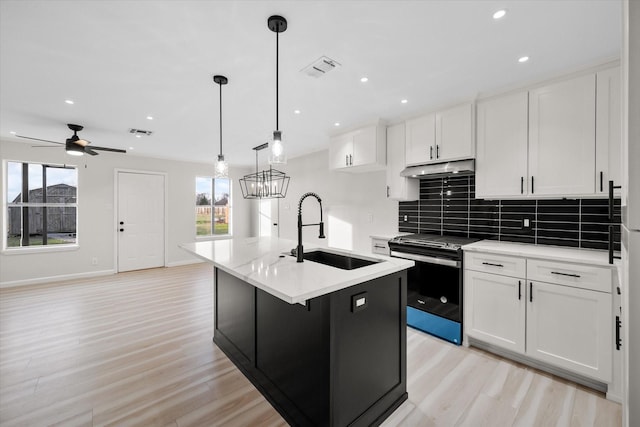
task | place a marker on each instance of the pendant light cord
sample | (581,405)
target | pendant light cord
(277,78)
(220,118)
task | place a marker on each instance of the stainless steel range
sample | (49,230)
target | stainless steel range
(434,286)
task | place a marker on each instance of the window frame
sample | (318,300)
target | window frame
(214,236)
(58,247)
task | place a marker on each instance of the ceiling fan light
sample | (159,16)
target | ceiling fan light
(222,168)
(74,149)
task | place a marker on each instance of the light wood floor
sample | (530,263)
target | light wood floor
(136,349)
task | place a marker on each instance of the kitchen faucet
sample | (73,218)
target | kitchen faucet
(299,251)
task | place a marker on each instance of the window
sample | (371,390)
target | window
(42,205)
(213,206)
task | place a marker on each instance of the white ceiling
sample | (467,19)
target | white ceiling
(120,61)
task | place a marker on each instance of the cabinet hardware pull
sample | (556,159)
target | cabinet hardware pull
(565,274)
(379,247)
(437,151)
(519,290)
(350,160)
(431,152)
(387,191)
(618,339)
(522,185)
(530,291)
(531,184)
(492,264)
(601,179)
(346,160)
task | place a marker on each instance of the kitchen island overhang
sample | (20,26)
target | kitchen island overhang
(325,346)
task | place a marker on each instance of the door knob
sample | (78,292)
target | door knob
(121,222)
(122,229)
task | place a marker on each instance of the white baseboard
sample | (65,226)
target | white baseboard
(184,262)
(51,279)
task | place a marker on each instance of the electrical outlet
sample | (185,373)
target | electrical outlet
(405,218)
(94,261)
(370,217)
(526,223)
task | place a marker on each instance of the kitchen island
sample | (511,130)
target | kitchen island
(326,346)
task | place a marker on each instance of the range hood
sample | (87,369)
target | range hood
(458,167)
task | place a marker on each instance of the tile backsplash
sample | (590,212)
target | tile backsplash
(448,206)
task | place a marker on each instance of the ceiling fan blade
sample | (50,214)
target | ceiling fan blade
(115,150)
(90,151)
(38,139)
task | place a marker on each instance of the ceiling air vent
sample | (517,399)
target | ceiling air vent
(320,67)
(140,132)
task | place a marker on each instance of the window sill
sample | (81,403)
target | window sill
(40,249)
(214,237)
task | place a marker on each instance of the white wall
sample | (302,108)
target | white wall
(96,224)
(351,201)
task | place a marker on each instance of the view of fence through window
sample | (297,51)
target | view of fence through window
(41,204)
(213,206)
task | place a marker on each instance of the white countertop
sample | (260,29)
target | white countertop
(559,253)
(259,262)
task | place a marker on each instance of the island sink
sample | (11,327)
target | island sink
(344,262)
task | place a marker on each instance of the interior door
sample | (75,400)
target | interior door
(141,221)
(269,217)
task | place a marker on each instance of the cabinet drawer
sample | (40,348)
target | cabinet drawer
(380,246)
(564,273)
(493,263)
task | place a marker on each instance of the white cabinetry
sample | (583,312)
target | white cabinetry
(558,140)
(562,137)
(399,187)
(608,129)
(360,150)
(440,137)
(553,312)
(501,165)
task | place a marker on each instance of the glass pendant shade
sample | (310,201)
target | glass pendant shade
(277,153)
(222,168)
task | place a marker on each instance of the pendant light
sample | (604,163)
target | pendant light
(222,168)
(267,184)
(277,154)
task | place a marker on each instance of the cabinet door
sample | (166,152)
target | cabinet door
(608,130)
(340,148)
(501,160)
(454,133)
(364,146)
(420,140)
(570,328)
(494,308)
(398,187)
(562,138)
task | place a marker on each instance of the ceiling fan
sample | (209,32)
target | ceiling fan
(74,145)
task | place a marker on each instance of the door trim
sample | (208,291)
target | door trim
(116,171)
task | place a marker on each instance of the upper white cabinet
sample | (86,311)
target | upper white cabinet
(420,140)
(608,129)
(443,136)
(454,133)
(557,140)
(501,160)
(562,137)
(360,150)
(398,187)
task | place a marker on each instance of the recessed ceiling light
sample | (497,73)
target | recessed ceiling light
(138,136)
(499,14)
(130,148)
(364,79)
(296,111)
(149,118)
(336,124)
(404,101)
(12,133)
(523,59)
(68,101)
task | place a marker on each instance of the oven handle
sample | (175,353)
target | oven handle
(429,259)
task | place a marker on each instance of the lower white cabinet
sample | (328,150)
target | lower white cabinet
(570,328)
(564,326)
(495,309)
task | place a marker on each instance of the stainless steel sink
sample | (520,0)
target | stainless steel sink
(344,262)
